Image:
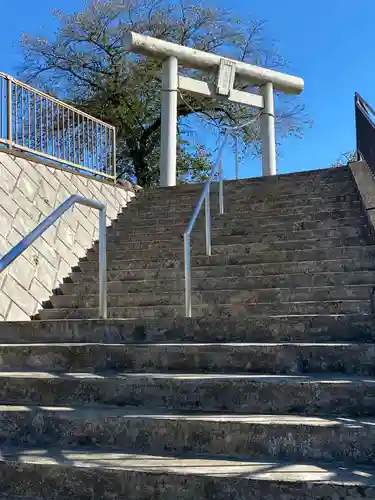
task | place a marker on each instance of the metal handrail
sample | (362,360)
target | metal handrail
(28,240)
(365,106)
(205,197)
(365,131)
(38,123)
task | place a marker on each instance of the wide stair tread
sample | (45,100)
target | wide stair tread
(327,266)
(114,252)
(310,394)
(175,259)
(226,226)
(259,310)
(152,431)
(228,357)
(103,474)
(226,281)
(250,329)
(242,235)
(145,220)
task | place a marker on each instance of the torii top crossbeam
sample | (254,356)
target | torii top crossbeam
(194,58)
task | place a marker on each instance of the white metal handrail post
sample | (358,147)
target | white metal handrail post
(114,158)
(204,197)
(208,221)
(28,240)
(187,265)
(221,187)
(236,158)
(102,263)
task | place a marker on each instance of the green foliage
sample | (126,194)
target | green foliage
(194,164)
(84,62)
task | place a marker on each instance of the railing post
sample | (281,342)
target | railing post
(102,264)
(187,275)
(236,157)
(356,110)
(168,140)
(114,159)
(9,113)
(221,188)
(267,126)
(208,222)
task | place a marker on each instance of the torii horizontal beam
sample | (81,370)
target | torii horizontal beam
(193,58)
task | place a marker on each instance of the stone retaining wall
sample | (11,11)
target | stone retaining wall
(29,191)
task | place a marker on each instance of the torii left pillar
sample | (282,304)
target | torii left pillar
(168,140)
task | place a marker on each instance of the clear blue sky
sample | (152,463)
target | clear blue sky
(328,42)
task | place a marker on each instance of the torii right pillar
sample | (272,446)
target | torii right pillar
(267,130)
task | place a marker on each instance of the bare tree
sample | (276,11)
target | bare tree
(84,62)
(344,159)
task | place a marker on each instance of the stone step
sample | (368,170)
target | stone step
(345,192)
(101,475)
(243,209)
(144,241)
(261,309)
(271,256)
(259,195)
(324,328)
(261,209)
(272,358)
(232,199)
(228,236)
(309,395)
(302,175)
(254,189)
(266,204)
(198,247)
(244,270)
(248,186)
(152,432)
(217,296)
(248,218)
(223,283)
(229,225)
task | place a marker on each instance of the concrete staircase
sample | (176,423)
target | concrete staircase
(267,393)
(296,244)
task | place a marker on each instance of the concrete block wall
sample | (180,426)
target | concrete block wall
(29,191)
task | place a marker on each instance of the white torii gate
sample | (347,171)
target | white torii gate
(172,54)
